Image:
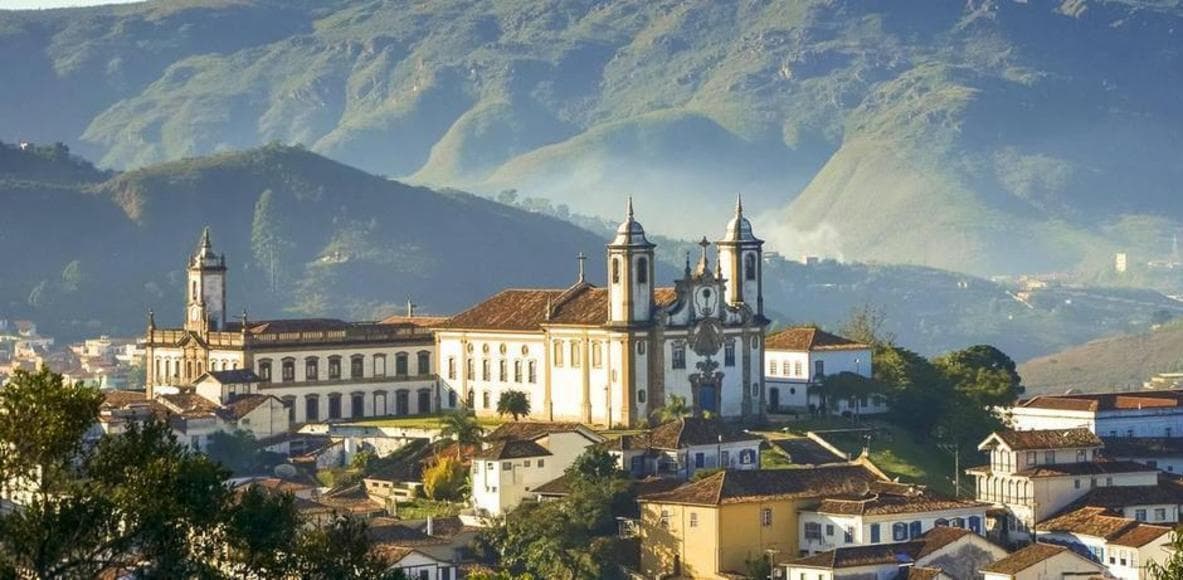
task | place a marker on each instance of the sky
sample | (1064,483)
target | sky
(26,4)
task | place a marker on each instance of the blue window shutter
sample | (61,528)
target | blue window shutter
(975,524)
(874,533)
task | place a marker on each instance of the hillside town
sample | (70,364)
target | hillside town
(711,444)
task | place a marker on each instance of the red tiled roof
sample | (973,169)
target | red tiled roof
(119,399)
(871,555)
(1024,558)
(1105,401)
(732,486)
(533,430)
(1143,447)
(1049,439)
(1101,467)
(511,449)
(242,405)
(809,338)
(526,310)
(1099,522)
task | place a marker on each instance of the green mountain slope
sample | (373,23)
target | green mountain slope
(1111,363)
(303,235)
(997,135)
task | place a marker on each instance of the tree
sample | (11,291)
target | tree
(61,412)
(675,408)
(513,403)
(848,386)
(912,384)
(262,531)
(595,464)
(462,427)
(1170,568)
(444,479)
(867,324)
(983,373)
(238,451)
(341,551)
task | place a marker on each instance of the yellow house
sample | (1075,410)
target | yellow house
(712,527)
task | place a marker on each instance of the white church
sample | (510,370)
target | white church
(605,356)
(609,356)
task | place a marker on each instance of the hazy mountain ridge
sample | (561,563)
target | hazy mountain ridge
(1016,133)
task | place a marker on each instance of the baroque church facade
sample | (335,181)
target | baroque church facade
(599,355)
(321,368)
(612,355)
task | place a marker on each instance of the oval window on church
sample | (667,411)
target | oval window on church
(485,348)
(640,347)
(469,347)
(504,349)
(755,342)
(641,396)
(525,350)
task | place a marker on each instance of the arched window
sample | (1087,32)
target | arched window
(423,405)
(597,354)
(357,366)
(289,401)
(452,399)
(424,363)
(265,369)
(357,405)
(749,266)
(334,367)
(615,270)
(334,406)
(485,399)
(503,370)
(558,354)
(642,270)
(914,530)
(194,292)
(641,396)
(532,372)
(289,370)
(517,371)
(401,364)
(379,365)
(576,359)
(485,375)
(311,368)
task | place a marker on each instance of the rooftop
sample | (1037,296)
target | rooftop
(1024,558)
(511,449)
(879,501)
(1048,439)
(1105,401)
(680,434)
(732,486)
(805,451)
(809,338)
(529,309)
(1101,523)
(533,430)
(884,554)
(1144,447)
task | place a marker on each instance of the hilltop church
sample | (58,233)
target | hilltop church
(606,356)
(609,356)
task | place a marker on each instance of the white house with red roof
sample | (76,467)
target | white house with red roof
(521,456)
(1118,414)
(1034,474)
(1125,546)
(797,358)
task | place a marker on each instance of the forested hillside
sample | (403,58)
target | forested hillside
(987,136)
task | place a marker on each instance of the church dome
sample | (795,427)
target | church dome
(739,229)
(630,232)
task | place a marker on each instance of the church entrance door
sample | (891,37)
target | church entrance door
(708,398)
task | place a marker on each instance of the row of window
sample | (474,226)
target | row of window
(692,517)
(1167,432)
(530,376)
(357,364)
(642,275)
(900,531)
(357,405)
(1160,515)
(795,368)
(165,367)
(1049,457)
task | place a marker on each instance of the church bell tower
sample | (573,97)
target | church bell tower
(205,309)
(630,274)
(741,262)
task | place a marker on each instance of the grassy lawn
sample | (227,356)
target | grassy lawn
(422,422)
(893,450)
(420,508)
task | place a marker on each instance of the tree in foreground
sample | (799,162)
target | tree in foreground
(341,551)
(444,479)
(513,403)
(1172,567)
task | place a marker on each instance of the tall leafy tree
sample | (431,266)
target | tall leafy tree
(513,403)
(867,324)
(341,551)
(983,373)
(917,392)
(1171,568)
(261,534)
(43,420)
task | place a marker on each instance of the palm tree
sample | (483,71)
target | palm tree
(462,427)
(514,403)
(675,408)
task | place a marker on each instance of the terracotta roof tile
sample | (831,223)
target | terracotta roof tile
(1139,535)
(533,430)
(1088,521)
(919,573)
(242,405)
(805,451)
(1117,497)
(526,310)
(235,376)
(809,338)
(884,504)
(1101,467)
(689,431)
(870,555)
(1143,446)
(1024,558)
(730,486)
(511,449)
(1106,401)
(1049,439)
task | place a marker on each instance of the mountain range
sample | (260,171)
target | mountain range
(983,136)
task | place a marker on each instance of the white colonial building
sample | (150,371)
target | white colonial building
(322,369)
(1127,414)
(609,356)
(799,358)
(519,457)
